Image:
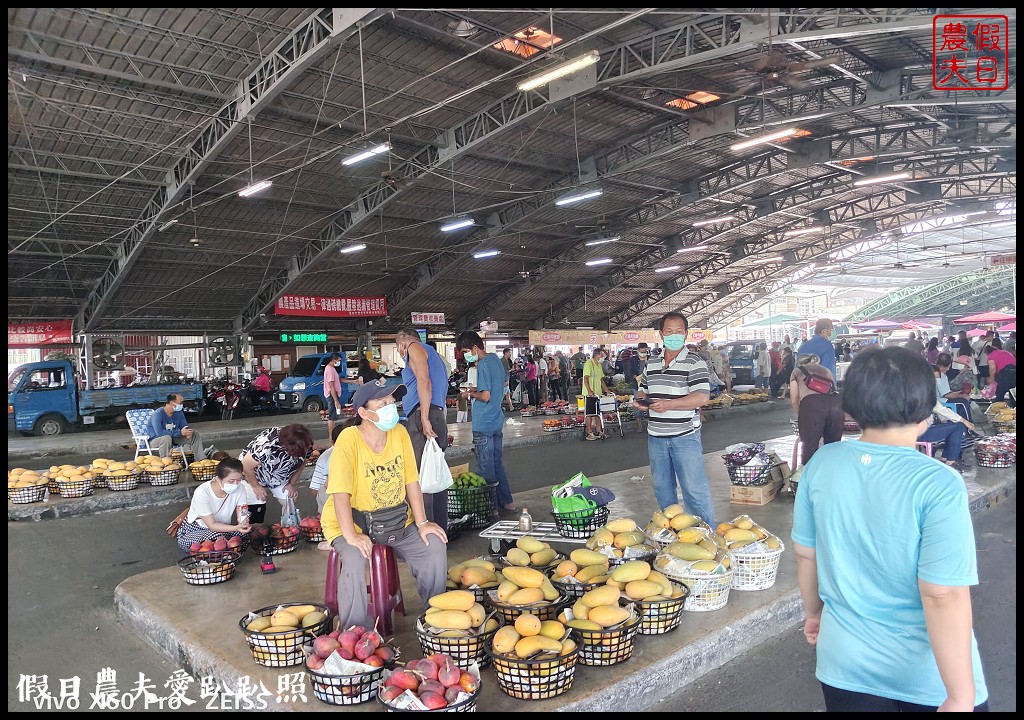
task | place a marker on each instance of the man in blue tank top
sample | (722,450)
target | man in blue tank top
(427,381)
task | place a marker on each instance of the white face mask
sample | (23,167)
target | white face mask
(229,488)
(179,407)
(387,417)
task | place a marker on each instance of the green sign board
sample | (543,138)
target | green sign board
(304,337)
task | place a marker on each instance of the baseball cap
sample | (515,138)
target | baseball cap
(376,389)
(599,495)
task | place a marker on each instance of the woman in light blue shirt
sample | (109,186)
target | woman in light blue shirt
(885,553)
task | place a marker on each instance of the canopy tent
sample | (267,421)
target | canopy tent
(877,325)
(985,318)
(976,332)
(915,325)
(1011,327)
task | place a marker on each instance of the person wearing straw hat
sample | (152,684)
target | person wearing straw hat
(374,496)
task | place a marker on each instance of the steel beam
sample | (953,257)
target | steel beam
(906,300)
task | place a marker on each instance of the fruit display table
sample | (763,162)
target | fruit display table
(509,530)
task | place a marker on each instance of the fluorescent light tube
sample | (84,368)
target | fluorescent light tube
(603,241)
(770,258)
(692,247)
(255,188)
(712,221)
(669,268)
(352,249)
(457,224)
(486,254)
(569,199)
(584,327)
(777,135)
(881,179)
(167,225)
(602,261)
(353,159)
(803,231)
(560,71)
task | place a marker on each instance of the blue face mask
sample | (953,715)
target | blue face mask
(470,357)
(674,342)
(387,417)
(179,408)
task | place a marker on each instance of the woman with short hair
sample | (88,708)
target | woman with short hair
(273,462)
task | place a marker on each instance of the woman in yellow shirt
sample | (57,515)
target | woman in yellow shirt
(374,496)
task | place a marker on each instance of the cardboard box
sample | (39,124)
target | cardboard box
(755,494)
(458,469)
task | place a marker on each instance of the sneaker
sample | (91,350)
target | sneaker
(591,437)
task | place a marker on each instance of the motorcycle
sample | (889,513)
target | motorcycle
(227,393)
(257,401)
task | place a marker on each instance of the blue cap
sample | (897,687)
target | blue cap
(598,495)
(376,389)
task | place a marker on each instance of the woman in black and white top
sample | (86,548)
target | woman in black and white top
(273,462)
(213,507)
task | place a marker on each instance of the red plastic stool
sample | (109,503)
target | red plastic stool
(385,587)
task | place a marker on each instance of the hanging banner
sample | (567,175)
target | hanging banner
(1003,259)
(44,332)
(615,337)
(339,307)
(422,318)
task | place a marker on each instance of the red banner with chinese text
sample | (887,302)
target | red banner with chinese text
(340,307)
(43,332)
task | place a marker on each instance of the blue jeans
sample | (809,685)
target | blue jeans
(949,433)
(488,460)
(681,458)
(760,382)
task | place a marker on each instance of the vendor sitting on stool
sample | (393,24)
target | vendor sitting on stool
(372,478)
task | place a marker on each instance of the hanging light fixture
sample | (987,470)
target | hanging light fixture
(667,268)
(770,137)
(457,224)
(602,241)
(352,249)
(486,254)
(601,261)
(692,248)
(561,70)
(875,179)
(359,157)
(713,221)
(579,197)
(253,187)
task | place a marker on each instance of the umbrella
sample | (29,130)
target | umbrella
(877,325)
(976,332)
(1012,327)
(914,325)
(985,318)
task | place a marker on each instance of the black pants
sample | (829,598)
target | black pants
(1006,379)
(531,392)
(820,416)
(435,505)
(837,700)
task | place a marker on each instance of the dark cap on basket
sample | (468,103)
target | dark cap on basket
(598,495)
(376,389)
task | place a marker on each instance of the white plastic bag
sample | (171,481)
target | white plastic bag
(435,475)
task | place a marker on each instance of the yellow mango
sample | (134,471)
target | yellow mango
(600,538)
(505,639)
(552,629)
(301,611)
(692,535)
(528,625)
(759,531)
(431,610)
(455,572)
(772,542)
(476,576)
(628,539)
(657,598)
(740,535)
(583,624)
(709,545)
(600,596)
(526,596)
(549,591)
(666,585)
(284,618)
(530,646)
(567,647)
(477,615)
(740,544)
(517,557)
(260,624)
(743,522)
(685,551)
(683,521)
(524,577)
(612,582)
(588,557)
(630,571)
(660,519)
(566,568)
(705,566)
(621,525)
(544,557)
(506,589)
(580,610)
(608,615)
(590,573)
(450,619)
(530,545)
(478,562)
(642,589)
(719,540)
(490,624)
(453,600)
(672,510)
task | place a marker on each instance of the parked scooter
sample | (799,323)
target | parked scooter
(227,393)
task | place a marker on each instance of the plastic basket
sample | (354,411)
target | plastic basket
(988,457)
(706,592)
(314,535)
(755,570)
(465,650)
(749,474)
(658,617)
(467,705)
(508,613)
(745,454)
(75,488)
(217,555)
(1005,427)
(648,557)
(182,456)
(212,573)
(99,482)
(25,495)
(122,482)
(538,679)
(162,477)
(345,689)
(477,502)
(203,472)
(580,524)
(283,649)
(609,646)
(275,546)
(573,591)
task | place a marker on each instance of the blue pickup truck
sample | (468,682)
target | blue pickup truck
(303,388)
(44,398)
(741,354)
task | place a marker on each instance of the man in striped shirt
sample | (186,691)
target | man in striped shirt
(677,384)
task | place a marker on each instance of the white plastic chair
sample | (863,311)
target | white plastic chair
(138,422)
